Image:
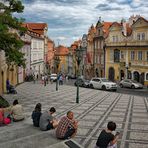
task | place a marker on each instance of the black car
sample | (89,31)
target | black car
(82,82)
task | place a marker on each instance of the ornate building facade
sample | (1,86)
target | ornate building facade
(127,51)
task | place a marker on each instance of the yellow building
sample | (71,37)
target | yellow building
(127,51)
(6,71)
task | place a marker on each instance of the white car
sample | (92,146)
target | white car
(53,77)
(102,83)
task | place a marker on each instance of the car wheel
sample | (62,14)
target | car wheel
(91,86)
(103,87)
(121,85)
(132,86)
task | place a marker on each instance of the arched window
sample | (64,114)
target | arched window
(116,55)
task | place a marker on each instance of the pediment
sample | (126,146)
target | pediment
(141,22)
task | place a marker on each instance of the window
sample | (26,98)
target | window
(147,76)
(116,55)
(138,36)
(111,55)
(140,55)
(115,38)
(99,31)
(122,54)
(143,36)
(132,55)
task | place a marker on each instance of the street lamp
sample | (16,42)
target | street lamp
(78,59)
(57,62)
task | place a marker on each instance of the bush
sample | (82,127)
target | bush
(3,102)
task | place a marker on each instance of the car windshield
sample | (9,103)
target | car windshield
(105,80)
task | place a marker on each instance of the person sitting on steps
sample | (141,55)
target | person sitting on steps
(17,111)
(106,139)
(67,127)
(36,115)
(47,121)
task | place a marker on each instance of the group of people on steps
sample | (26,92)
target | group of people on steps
(65,128)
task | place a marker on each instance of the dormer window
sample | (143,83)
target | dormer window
(115,38)
(141,36)
(99,32)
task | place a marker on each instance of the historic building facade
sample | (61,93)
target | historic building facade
(99,47)
(127,51)
(62,52)
(50,56)
(90,67)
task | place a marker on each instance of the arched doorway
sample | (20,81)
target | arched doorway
(111,75)
(136,76)
(142,78)
(121,74)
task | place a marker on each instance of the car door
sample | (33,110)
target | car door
(126,83)
(94,82)
(99,85)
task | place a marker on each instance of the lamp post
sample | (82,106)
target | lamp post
(57,62)
(78,59)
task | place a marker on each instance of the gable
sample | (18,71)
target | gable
(141,22)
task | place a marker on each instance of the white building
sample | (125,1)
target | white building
(26,49)
(37,53)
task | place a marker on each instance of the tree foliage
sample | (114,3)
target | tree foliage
(10,31)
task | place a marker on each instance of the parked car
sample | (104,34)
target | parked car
(103,83)
(82,82)
(53,77)
(130,83)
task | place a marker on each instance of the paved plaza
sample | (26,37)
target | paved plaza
(93,112)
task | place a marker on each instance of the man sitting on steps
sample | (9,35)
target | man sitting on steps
(67,126)
(47,120)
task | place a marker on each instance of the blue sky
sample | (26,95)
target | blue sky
(68,20)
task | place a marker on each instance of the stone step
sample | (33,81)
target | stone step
(31,139)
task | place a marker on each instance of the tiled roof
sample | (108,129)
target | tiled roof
(61,50)
(37,27)
(106,26)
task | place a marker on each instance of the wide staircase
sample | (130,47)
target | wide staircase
(24,135)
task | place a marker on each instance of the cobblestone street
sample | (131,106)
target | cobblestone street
(93,112)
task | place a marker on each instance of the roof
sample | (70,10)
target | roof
(61,50)
(37,27)
(106,26)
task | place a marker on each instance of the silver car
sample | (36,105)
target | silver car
(130,83)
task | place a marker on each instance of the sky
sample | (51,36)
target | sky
(68,20)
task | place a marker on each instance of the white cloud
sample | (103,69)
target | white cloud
(69,20)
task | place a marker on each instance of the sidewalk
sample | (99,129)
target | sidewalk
(93,112)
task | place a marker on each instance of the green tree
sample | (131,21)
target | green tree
(10,31)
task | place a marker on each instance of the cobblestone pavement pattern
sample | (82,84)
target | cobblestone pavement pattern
(93,112)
